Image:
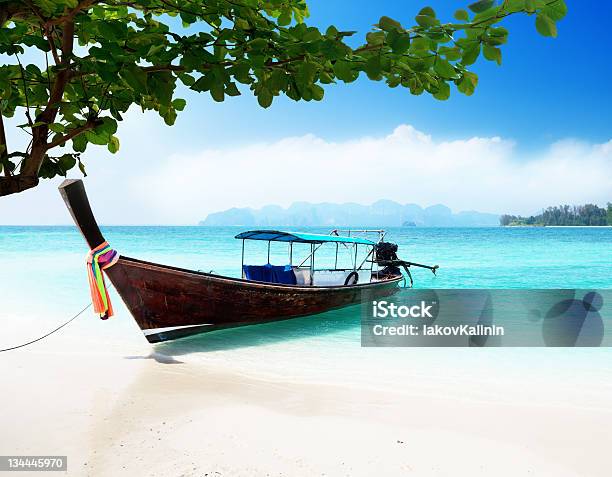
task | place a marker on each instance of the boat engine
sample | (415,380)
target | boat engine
(387,252)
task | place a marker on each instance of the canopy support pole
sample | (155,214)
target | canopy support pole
(312,251)
(366,259)
(336,262)
(242,261)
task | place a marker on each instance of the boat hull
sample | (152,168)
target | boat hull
(170,302)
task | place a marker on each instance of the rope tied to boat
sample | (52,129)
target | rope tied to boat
(99,259)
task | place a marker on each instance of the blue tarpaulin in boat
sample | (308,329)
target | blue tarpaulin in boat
(270,273)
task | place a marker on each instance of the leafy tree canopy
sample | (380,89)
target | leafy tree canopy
(588,214)
(100,57)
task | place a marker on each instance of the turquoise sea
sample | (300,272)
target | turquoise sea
(43,282)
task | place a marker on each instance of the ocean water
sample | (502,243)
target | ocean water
(43,282)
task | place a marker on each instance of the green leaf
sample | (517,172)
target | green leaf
(428,11)
(481,6)
(426,17)
(284,19)
(232,90)
(135,78)
(187,80)
(107,128)
(155,49)
(82,168)
(66,162)
(375,38)
(420,44)
(514,5)
(79,143)
(344,71)
(451,54)
(169,116)
(258,44)
(317,92)
(545,25)
(445,69)
(264,98)
(373,68)
(500,34)
(556,10)
(425,21)
(331,31)
(470,54)
(399,42)
(57,127)
(97,139)
(217,91)
(389,24)
(492,53)
(113,145)
(179,104)
(462,15)
(203,83)
(468,83)
(443,92)
(312,34)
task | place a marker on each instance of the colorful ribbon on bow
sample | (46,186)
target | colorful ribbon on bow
(98,259)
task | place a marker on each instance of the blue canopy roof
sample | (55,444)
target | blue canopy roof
(277,236)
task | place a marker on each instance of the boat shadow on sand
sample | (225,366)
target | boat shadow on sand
(330,322)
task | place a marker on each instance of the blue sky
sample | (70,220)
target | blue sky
(545,90)
(534,128)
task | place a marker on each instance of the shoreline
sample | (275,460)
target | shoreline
(560,226)
(118,415)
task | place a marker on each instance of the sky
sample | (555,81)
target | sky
(537,132)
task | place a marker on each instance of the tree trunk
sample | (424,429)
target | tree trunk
(4,159)
(17,183)
(30,166)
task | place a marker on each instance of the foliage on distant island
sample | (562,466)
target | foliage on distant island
(97,58)
(588,214)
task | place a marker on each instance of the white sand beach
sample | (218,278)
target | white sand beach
(116,415)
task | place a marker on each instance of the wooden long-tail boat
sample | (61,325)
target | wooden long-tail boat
(170,302)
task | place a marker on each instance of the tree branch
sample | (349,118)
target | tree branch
(153,69)
(31,165)
(49,35)
(89,125)
(69,16)
(3,149)
(25,90)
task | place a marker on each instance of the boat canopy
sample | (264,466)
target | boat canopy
(277,236)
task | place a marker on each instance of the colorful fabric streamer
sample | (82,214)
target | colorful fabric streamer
(98,259)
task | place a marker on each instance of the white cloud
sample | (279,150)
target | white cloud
(485,174)
(482,174)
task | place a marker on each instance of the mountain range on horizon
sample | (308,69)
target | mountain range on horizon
(382,213)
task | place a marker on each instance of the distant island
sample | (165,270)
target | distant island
(563,215)
(383,213)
